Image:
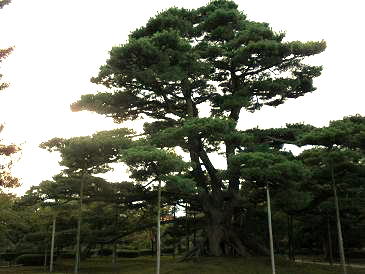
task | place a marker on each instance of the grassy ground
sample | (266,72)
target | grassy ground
(144,265)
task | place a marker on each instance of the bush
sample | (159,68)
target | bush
(10,256)
(67,255)
(146,252)
(127,253)
(359,254)
(30,259)
(167,250)
(105,252)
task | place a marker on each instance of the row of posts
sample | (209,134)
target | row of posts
(158,248)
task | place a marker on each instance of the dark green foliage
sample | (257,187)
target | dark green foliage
(180,185)
(348,132)
(149,162)
(268,167)
(92,153)
(160,63)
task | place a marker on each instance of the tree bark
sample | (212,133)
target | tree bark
(45,256)
(291,253)
(194,235)
(152,244)
(330,248)
(222,235)
(114,260)
(187,228)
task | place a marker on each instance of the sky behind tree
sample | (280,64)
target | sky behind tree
(60,44)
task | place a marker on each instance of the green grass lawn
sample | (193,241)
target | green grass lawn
(144,265)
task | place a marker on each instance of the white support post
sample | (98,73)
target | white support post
(158,229)
(270,230)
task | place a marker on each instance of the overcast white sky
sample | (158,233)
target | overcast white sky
(60,44)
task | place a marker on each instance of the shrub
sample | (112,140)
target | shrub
(146,252)
(167,250)
(127,253)
(359,254)
(30,259)
(10,256)
(67,255)
(105,252)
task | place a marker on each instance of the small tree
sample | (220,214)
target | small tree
(148,163)
(84,156)
(265,169)
(342,145)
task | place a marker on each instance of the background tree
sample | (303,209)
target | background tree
(4,52)
(4,2)
(148,163)
(211,58)
(341,157)
(6,179)
(84,156)
(7,158)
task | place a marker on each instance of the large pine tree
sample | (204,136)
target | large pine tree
(183,63)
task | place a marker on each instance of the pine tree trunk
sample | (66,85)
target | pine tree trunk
(152,245)
(223,236)
(114,260)
(45,256)
(291,253)
(194,235)
(330,248)
(187,228)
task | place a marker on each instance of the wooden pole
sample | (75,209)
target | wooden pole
(270,229)
(52,243)
(158,229)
